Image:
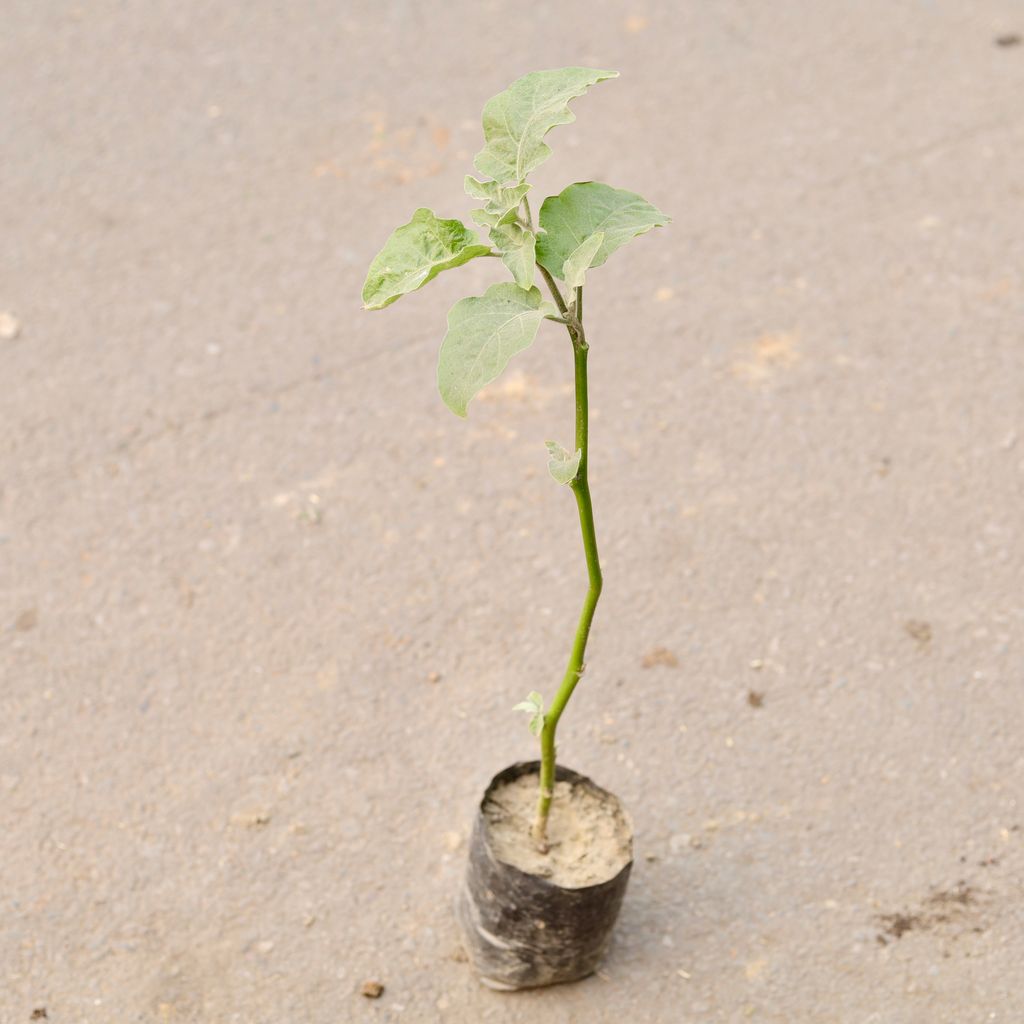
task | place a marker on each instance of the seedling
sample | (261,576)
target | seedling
(578,230)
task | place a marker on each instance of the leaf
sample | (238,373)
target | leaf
(415,254)
(518,251)
(574,270)
(562,465)
(490,220)
(534,702)
(483,335)
(516,120)
(497,198)
(533,706)
(584,209)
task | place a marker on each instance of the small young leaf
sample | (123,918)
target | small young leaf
(581,210)
(497,198)
(415,254)
(518,251)
(562,465)
(491,220)
(534,707)
(574,270)
(516,120)
(483,335)
(534,702)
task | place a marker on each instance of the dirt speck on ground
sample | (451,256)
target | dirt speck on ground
(27,620)
(919,631)
(943,906)
(590,838)
(659,656)
(371,989)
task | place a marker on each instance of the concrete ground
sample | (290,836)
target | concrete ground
(265,603)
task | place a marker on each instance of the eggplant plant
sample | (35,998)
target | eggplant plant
(576,232)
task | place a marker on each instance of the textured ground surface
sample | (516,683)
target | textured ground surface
(239,532)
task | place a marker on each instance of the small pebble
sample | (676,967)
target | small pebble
(372,989)
(434,677)
(9,330)
(255,818)
(919,631)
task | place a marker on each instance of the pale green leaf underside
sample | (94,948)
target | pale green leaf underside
(518,251)
(415,254)
(490,220)
(498,199)
(574,270)
(483,334)
(584,209)
(516,120)
(534,707)
(563,465)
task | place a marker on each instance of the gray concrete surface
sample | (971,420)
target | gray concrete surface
(239,531)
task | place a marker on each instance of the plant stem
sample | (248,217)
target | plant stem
(556,295)
(581,490)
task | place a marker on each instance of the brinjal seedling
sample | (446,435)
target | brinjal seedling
(577,231)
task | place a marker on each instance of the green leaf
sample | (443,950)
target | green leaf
(497,198)
(415,254)
(562,465)
(584,209)
(491,220)
(516,120)
(534,702)
(574,270)
(518,251)
(483,335)
(533,706)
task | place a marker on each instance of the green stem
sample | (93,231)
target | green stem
(581,490)
(555,294)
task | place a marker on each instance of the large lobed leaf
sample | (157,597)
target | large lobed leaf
(569,221)
(483,334)
(516,120)
(415,254)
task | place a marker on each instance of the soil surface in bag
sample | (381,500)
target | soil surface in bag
(589,837)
